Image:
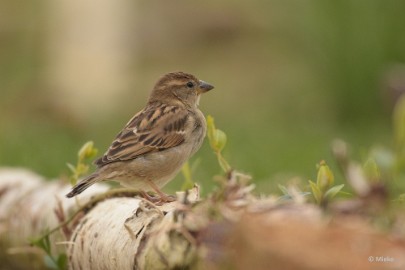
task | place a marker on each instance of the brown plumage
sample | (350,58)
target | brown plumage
(155,143)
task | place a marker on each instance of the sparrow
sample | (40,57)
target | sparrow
(153,146)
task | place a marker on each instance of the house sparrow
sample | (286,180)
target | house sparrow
(152,147)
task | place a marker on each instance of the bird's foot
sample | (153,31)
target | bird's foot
(158,199)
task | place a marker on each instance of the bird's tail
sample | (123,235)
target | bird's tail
(83,184)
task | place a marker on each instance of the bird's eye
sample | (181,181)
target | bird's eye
(190,84)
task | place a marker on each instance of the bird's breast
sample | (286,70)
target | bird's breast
(197,134)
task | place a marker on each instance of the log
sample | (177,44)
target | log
(27,208)
(230,229)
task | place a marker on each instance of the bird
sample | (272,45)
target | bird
(155,143)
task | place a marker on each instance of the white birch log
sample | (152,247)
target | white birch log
(27,208)
(129,233)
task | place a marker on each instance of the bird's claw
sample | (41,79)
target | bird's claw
(158,199)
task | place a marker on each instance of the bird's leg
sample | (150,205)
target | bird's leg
(148,197)
(163,197)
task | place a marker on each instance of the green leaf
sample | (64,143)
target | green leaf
(71,167)
(87,151)
(371,170)
(38,243)
(49,262)
(219,140)
(333,191)
(223,163)
(44,243)
(47,243)
(283,189)
(62,261)
(316,192)
(188,182)
(325,176)
(216,137)
(82,168)
(211,130)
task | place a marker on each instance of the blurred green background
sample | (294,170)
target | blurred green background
(289,76)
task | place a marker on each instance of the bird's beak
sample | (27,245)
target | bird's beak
(204,87)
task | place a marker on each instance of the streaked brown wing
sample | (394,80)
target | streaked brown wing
(154,129)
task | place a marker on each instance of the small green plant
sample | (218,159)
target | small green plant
(188,180)
(187,172)
(323,190)
(85,154)
(58,262)
(291,192)
(217,139)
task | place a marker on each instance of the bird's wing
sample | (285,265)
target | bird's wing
(156,128)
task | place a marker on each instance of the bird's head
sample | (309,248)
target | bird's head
(179,88)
